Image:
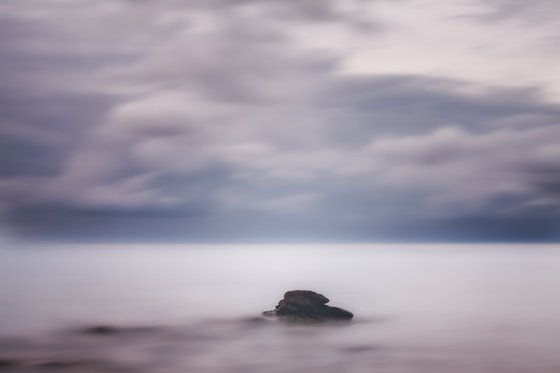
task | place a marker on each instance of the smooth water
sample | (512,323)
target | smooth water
(196,308)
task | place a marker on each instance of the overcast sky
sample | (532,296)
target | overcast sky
(276,120)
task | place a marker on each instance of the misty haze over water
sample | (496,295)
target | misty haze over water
(196,308)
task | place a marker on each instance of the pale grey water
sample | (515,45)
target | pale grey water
(418,308)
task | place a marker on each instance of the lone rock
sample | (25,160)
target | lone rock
(307,305)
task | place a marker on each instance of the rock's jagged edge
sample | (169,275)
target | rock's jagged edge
(307,306)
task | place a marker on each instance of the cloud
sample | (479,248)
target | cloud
(519,10)
(167,136)
(471,170)
(217,119)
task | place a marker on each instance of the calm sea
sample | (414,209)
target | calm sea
(196,308)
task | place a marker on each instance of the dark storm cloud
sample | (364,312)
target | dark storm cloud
(519,10)
(39,131)
(215,121)
(415,104)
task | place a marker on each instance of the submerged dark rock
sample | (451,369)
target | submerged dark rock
(7,363)
(307,305)
(65,364)
(108,330)
(100,330)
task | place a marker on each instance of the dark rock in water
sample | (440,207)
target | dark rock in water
(307,305)
(8,363)
(107,330)
(64,364)
(100,330)
(46,364)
